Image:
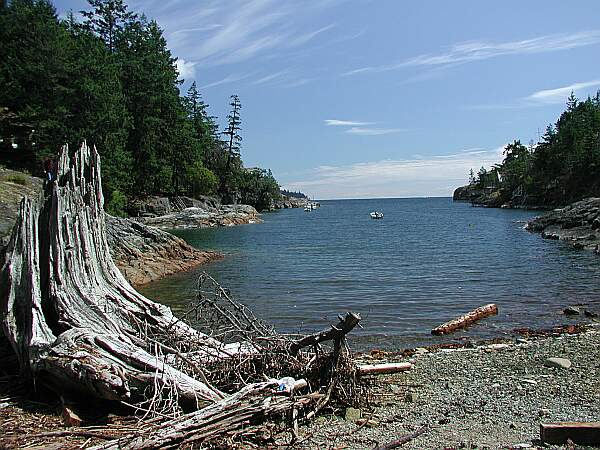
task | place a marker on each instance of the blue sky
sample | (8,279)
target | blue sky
(366,98)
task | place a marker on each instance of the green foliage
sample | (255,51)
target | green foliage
(259,188)
(116,204)
(111,80)
(292,194)
(563,167)
(17,179)
(201,180)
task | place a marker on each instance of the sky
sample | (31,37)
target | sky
(381,98)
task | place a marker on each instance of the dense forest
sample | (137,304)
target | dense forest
(110,79)
(563,167)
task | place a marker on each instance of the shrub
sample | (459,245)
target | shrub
(117,203)
(17,179)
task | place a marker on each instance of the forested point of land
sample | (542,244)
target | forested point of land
(110,79)
(291,194)
(563,167)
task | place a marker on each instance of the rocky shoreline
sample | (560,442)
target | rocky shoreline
(483,396)
(578,224)
(488,395)
(144,254)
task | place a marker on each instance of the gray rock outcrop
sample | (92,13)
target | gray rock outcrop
(143,253)
(578,224)
(198,217)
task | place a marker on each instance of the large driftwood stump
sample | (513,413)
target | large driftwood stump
(72,319)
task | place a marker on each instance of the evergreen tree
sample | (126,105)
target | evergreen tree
(35,82)
(108,19)
(233,129)
(101,116)
(149,77)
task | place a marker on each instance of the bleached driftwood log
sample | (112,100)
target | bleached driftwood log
(384,368)
(466,320)
(72,319)
(251,404)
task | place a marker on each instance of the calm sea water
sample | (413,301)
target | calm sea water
(426,262)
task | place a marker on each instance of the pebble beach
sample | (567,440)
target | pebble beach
(489,396)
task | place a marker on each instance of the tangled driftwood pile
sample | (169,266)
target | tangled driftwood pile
(78,327)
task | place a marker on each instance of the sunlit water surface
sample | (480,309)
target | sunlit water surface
(426,262)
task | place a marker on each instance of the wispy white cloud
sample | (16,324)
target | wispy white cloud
(559,95)
(228,79)
(543,97)
(361,128)
(215,32)
(306,37)
(480,50)
(270,77)
(345,123)
(299,82)
(425,176)
(364,131)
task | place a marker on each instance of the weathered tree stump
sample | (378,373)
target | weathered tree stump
(72,319)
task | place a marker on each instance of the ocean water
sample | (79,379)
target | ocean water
(428,261)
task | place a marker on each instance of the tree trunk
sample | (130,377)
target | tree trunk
(72,319)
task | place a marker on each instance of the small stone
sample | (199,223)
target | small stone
(352,414)
(561,363)
(572,311)
(396,389)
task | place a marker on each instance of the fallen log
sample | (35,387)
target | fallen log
(466,320)
(580,433)
(385,368)
(253,402)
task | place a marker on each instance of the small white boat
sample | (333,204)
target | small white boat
(376,215)
(312,205)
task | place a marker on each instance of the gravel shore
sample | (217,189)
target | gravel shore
(491,396)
